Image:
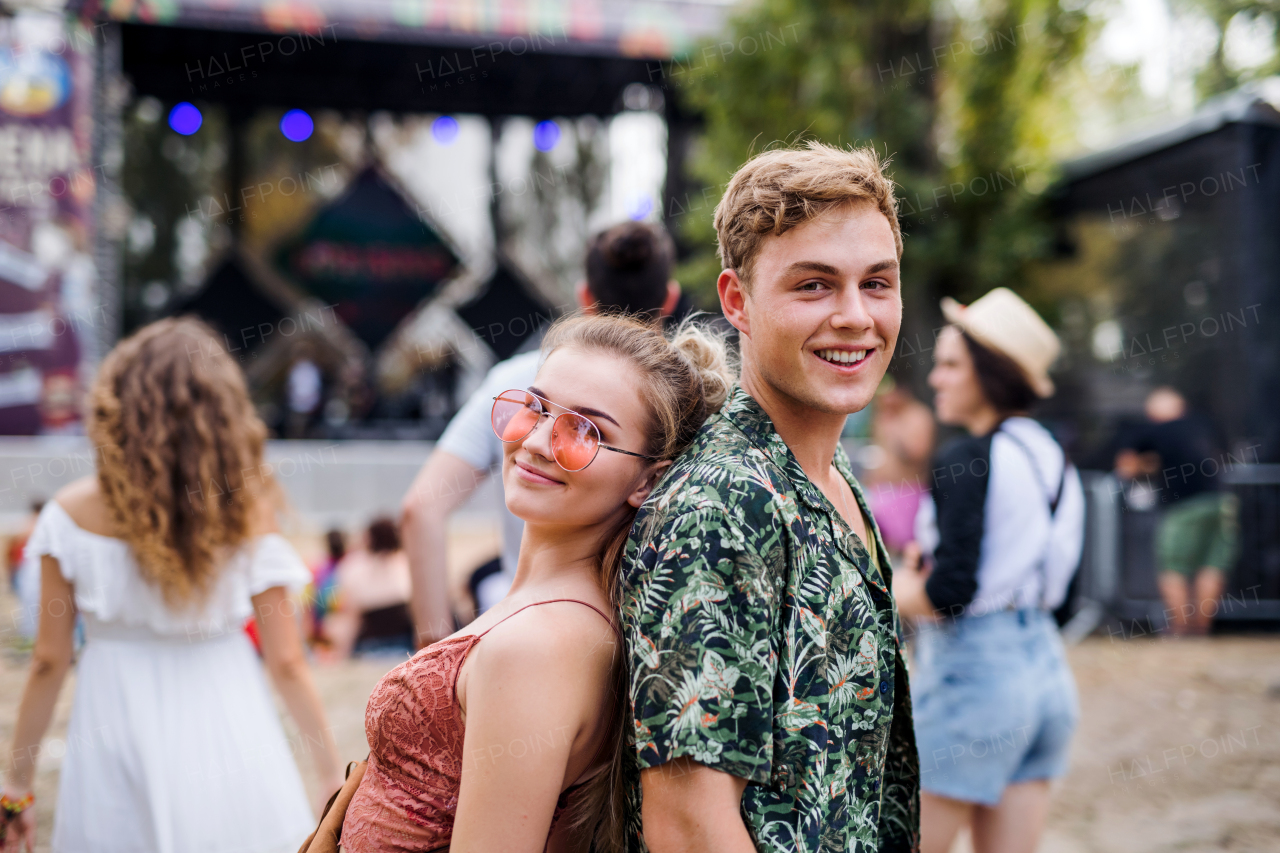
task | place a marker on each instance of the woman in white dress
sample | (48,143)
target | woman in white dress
(174,743)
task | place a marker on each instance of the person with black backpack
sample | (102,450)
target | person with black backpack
(995,701)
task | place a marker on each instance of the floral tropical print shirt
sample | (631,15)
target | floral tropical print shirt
(762,641)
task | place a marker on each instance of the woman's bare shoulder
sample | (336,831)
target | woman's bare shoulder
(83,501)
(565,635)
(263,510)
(557,657)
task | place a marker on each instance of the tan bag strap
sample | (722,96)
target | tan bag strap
(329,832)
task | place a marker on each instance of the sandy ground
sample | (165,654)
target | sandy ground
(1178,747)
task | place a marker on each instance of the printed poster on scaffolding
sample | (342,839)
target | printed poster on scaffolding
(50,314)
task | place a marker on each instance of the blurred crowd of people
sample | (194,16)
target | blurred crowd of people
(360,598)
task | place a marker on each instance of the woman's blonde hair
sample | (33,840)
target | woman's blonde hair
(179,449)
(685,378)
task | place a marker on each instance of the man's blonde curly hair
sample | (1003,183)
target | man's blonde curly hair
(179,449)
(775,191)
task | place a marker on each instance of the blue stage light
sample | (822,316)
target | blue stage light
(545,135)
(445,129)
(297,126)
(185,118)
(641,206)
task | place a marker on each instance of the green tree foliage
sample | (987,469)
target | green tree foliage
(1009,116)
(165,178)
(548,223)
(1220,74)
(972,110)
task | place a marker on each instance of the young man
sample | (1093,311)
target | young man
(1198,537)
(768,689)
(628,268)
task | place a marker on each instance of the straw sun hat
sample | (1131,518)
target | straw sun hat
(1002,321)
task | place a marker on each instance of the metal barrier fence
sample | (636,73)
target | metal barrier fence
(346,483)
(328,483)
(1116,586)
(1257,572)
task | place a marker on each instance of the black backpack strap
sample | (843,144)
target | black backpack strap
(1053,504)
(1062,484)
(1031,457)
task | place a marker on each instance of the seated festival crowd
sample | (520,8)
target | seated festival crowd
(694,638)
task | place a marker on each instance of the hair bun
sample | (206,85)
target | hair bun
(708,352)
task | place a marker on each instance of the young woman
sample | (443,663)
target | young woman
(174,744)
(995,702)
(484,740)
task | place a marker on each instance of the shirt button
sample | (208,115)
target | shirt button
(782,776)
(884,687)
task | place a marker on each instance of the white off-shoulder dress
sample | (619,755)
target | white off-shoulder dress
(174,744)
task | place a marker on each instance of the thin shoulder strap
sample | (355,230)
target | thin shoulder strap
(475,638)
(552,601)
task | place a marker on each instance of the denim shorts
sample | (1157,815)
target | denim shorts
(994,703)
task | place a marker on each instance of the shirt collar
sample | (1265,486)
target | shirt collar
(743,411)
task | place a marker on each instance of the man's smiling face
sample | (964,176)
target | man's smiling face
(821,315)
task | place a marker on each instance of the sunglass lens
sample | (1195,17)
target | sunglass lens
(515,414)
(574,441)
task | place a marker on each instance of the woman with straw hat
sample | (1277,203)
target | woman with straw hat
(995,700)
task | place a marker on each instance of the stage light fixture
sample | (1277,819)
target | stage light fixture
(185,118)
(445,130)
(297,126)
(545,135)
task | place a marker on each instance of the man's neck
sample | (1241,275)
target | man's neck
(811,435)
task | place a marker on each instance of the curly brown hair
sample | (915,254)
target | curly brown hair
(179,449)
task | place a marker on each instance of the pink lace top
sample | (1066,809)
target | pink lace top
(409,795)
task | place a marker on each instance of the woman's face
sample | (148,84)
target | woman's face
(958,396)
(606,390)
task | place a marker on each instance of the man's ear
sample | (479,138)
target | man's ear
(655,472)
(586,301)
(733,301)
(673,296)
